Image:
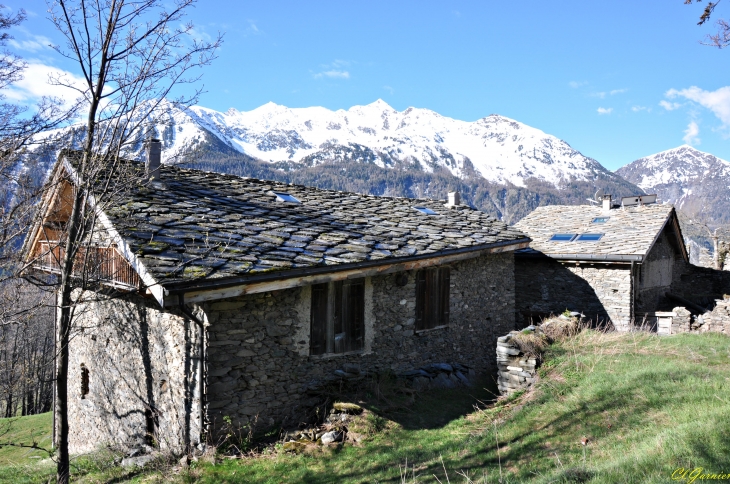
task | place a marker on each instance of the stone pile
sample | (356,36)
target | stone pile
(333,430)
(717,320)
(516,370)
(435,375)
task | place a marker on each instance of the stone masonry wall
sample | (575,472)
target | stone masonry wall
(259,363)
(545,286)
(516,371)
(142,364)
(655,276)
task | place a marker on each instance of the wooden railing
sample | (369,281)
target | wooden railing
(103,265)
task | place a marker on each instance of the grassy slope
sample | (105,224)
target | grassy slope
(647,405)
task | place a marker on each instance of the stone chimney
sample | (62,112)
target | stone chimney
(154,154)
(607,203)
(454,199)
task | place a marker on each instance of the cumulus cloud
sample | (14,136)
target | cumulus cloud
(605,110)
(637,109)
(691,134)
(36,83)
(669,106)
(716,101)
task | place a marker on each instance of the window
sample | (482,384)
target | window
(600,220)
(84,381)
(589,237)
(285,197)
(432,298)
(337,317)
(425,210)
(562,237)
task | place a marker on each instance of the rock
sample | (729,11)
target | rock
(185,461)
(333,436)
(137,461)
(296,447)
(462,378)
(440,367)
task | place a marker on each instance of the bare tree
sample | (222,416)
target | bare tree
(721,37)
(130,55)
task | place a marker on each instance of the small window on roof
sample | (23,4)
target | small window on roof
(588,237)
(285,197)
(562,237)
(425,210)
(600,220)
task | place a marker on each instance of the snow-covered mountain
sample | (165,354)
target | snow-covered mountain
(696,182)
(495,148)
(498,164)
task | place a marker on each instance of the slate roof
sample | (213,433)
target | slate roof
(629,233)
(201,226)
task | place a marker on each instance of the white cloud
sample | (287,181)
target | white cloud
(617,91)
(716,101)
(636,109)
(389,89)
(333,74)
(577,84)
(35,84)
(34,44)
(690,134)
(334,70)
(605,110)
(669,106)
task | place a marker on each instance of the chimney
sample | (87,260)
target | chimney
(454,199)
(152,165)
(607,203)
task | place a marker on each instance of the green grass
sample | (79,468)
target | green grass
(647,405)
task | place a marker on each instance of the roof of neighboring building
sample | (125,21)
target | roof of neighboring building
(627,234)
(195,226)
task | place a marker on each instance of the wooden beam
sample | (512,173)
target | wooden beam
(306,280)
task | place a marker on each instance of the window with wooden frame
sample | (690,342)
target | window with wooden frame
(432,298)
(337,317)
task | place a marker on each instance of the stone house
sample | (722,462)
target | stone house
(614,262)
(218,295)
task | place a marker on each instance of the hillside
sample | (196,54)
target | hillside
(628,395)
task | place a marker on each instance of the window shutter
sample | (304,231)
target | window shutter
(433,299)
(421,300)
(353,313)
(444,291)
(318,331)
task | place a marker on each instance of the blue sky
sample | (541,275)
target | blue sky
(617,80)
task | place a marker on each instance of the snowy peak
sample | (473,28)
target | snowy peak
(495,148)
(694,181)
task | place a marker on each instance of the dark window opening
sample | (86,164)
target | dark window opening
(432,297)
(337,317)
(84,381)
(562,237)
(589,237)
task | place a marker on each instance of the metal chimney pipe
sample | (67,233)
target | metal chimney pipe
(154,155)
(607,204)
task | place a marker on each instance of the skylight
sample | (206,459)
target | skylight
(285,197)
(562,237)
(589,237)
(425,210)
(600,220)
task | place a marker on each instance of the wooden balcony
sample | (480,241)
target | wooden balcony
(102,265)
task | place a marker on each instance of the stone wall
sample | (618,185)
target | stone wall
(142,368)
(655,275)
(545,286)
(258,354)
(699,284)
(516,371)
